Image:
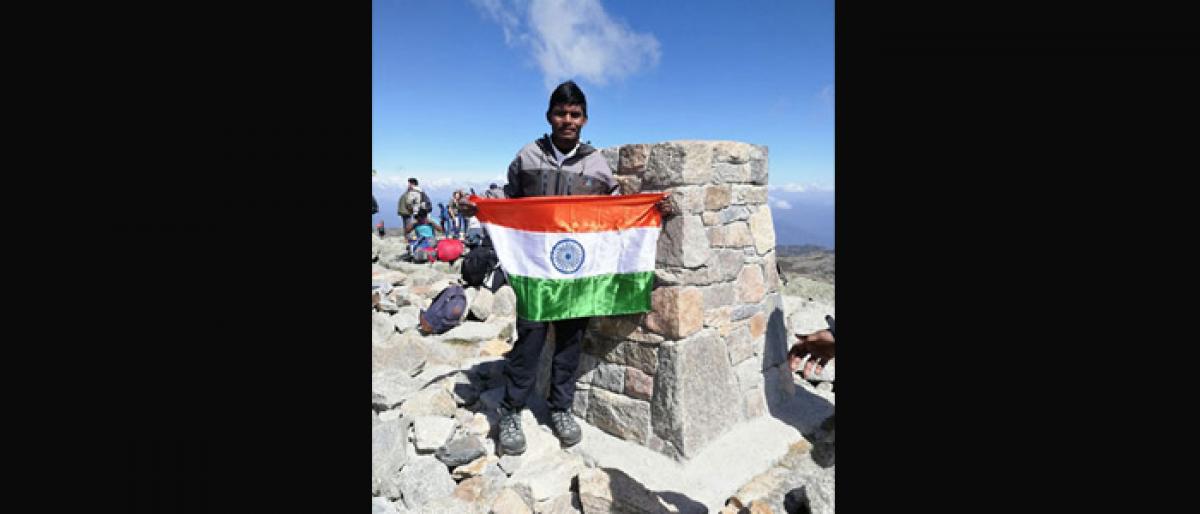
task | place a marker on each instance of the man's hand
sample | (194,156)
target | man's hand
(666,206)
(819,344)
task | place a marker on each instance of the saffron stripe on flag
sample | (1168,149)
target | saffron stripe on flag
(601,295)
(585,213)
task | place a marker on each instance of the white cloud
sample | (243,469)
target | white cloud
(573,39)
(780,204)
(436,180)
(796,187)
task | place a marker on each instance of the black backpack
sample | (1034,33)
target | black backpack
(446,311)
(478,263)
(426,205)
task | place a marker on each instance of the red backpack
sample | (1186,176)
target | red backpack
(449,249)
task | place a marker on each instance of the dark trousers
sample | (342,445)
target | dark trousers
(522,363)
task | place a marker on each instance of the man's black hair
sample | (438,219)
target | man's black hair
(567,93)
(412,181)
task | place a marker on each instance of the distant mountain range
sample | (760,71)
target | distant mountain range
(801,217)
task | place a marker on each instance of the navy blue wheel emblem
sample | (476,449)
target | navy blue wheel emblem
(567,256)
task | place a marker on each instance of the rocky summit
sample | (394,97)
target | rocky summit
(687,408)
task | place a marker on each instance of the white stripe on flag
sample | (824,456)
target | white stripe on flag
(528,253)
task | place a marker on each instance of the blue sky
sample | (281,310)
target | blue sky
(458,86)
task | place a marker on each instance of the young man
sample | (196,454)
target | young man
(409,203)
(554,165)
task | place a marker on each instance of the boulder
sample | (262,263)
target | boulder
(475,467)
(431,401)
(505,302)
(481,305)
(424,479)
(389,453)
(432,432)
(509,502)
(381,327)
(406,318)
(389,388)
(605,490)
(461,450)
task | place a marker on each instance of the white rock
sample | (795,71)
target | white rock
(431,432)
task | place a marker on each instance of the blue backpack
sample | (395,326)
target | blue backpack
(446,311)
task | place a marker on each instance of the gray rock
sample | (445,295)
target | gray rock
(763,230)
(481,306)
(732,173)
(739,345)
(725,265)
(749,374)
(565,503)
(548,476)
(509,502)
(579,404)
(620,415)
(749,194)
(612,157)
(432,432)
(683,241)
(406,352)
(431,401)
(406,318)
(643,356)
(388,307)
(742,312)
(758,165)
(677,163)
(695,393)
(718,295)
(389,452)
(424,479)
(381,505)
(609,376)
(471,332)
(611,490)
(381,327)
(461,450)
(505,302)
(734,213)
(390,387)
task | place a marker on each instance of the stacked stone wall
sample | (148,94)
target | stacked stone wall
(707,356)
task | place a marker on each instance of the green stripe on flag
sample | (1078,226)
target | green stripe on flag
(541,299)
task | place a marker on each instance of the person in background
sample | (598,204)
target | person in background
(409,203)
(494,191)
(379,228)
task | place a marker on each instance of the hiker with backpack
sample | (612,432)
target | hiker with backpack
(558,164)
(422,236)
(413,202)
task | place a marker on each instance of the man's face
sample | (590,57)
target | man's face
(566,121)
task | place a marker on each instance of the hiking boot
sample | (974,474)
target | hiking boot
(512,440)
(565,428)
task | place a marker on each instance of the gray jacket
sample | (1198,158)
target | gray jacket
(535,172)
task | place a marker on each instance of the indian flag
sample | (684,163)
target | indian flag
(575,256)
